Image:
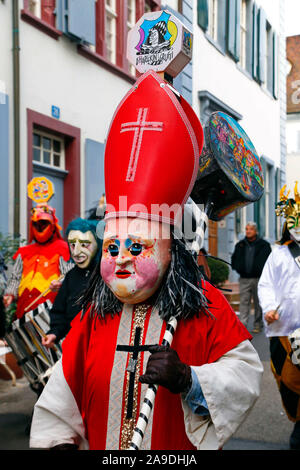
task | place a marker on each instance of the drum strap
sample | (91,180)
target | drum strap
(295,252)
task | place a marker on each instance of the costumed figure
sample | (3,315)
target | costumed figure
(148,282)
(35,280)
(85,247)
(279,297)
(38,265)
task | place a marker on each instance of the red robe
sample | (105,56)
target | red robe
(96,372)
(40,267)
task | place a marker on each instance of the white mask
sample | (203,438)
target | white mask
(295,233)
(83,247)
(133,262)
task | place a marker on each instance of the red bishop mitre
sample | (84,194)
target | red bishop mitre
(152,153)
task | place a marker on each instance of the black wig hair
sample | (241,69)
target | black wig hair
(180,294)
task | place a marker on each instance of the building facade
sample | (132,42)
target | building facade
(63,71)
(239,68)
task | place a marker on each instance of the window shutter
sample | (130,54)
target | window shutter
(47,11)
(94,172)
(222,24)
(262,25)
(262,203)
(202,14)
(277,183)
(233,29)
(277,191)
(237,29)
(275,65)
(4,162)
(254,40)
(76,19)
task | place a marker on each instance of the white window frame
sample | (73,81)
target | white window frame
(213,19)
(131,22)
(111,14)
(130,25)
(35,7)
(52,137)
(243,34)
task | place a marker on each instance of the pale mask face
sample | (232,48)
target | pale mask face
(295,233)
(134,261)
(83,247)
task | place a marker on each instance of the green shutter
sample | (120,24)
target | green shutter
(202,14)
(254,40)
(233,29)
(277,191)
(277,184)
(222,23)
(238,29)
(275,65)
(262,203)
(262,44)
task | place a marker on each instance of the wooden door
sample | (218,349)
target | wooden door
(213,238)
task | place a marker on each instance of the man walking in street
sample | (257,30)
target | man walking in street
(248,259)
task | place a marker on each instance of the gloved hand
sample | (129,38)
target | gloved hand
(65,447)
(165,368)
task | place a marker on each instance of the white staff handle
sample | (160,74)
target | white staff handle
(148,402)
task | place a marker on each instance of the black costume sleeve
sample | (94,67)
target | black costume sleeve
(59,324)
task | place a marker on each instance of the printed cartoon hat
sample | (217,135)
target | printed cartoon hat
(152,152)
(289,207)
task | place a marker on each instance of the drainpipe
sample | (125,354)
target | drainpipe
(16,113)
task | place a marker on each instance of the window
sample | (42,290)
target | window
(131,13)
(69,170)
(240,221)
(35,7)
(113,21)
(48,149)
(42,9)
(111,29)
(243,26)
(268,208)
(131,20)
(213,19)
(265,53)
(264,213)
(269,58)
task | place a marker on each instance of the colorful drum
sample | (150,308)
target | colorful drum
(229,173)
(25,339)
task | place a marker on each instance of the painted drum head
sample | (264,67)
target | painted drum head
(229,167)
(159,42)
(236,155)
